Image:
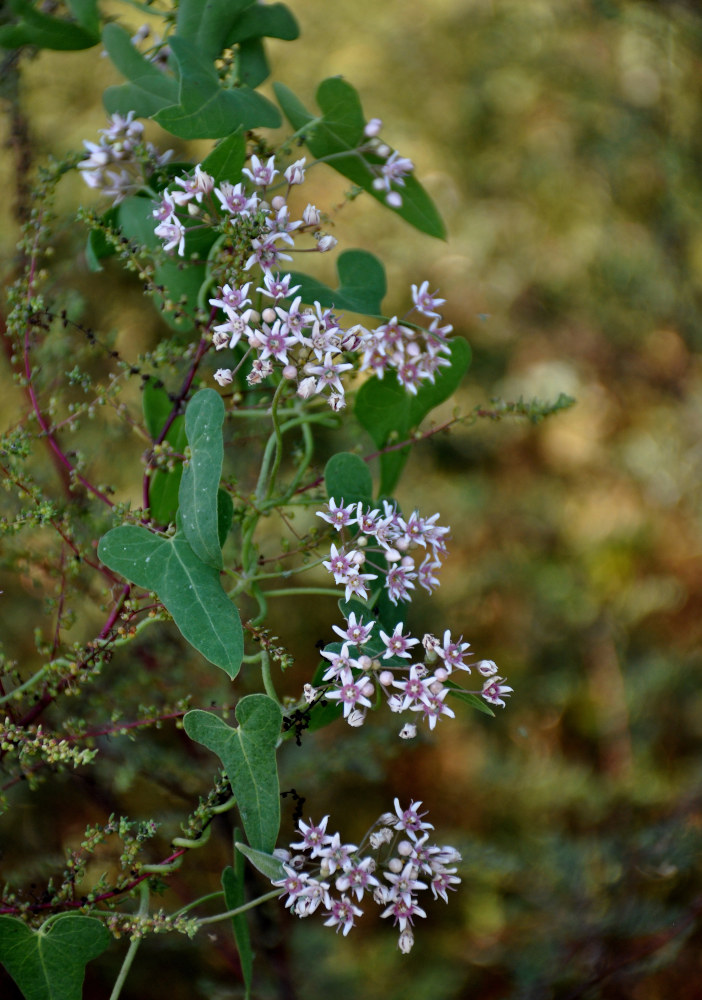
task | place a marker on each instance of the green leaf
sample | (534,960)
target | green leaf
(198,487)
(251,63)
(35,28)
(86,14)
(204,109)
(362,284)
(347,479)
(207,23)
(468,698)
(268,865)
(181,278)
(225,161)
(387,411)
(190,590)
(259,21)
(165,483)
(235,896)
(149,90)
(340,131)
(49,964)
(247,754)
(225,515)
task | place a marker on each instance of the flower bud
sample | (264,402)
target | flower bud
(223,376)
(269,315)
(326,242)
(277,203)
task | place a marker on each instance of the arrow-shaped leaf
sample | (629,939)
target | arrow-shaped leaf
(247,754)
(189,589)
(50,964)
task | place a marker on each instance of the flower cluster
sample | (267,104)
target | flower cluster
(381,540)
(309,345)
(397,864)
(122,145)
(370,661)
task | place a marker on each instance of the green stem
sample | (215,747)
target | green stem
(295,591)
(278,441)
(134,945)
(267,678)
(240,909)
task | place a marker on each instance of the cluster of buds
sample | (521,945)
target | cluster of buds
(122,145)
(393,864)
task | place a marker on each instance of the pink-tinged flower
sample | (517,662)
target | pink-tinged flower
(350,694)
(295,173)
(173,235)
(410,819)
(395,168)
(356,585)
(234,199)
(426,301)
(488,668)
(434,708)
(195,186)
(405,882)
(426,576)
(338,662)
(339,564)
(236,327)
(338,515)
(399,580)
(397,644)
(414,687)
(336,856)
(294,884)
(328,373)
(444,879)
(232,298)
(494,691)
(266,254)
(403,911)
(452,652)
(165,208)
(275,287)
(372,128)
(274,343)
(343,912)
(355,632)
(261,174)
(259,370)
(358,877)
(314,837)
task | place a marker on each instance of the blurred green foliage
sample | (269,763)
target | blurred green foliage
(562,140)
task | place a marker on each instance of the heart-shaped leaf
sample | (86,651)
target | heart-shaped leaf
(204,109)
(247,754)
(189,589)
(362,284)
(49,964)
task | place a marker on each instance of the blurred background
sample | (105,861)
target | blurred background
(562,142)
